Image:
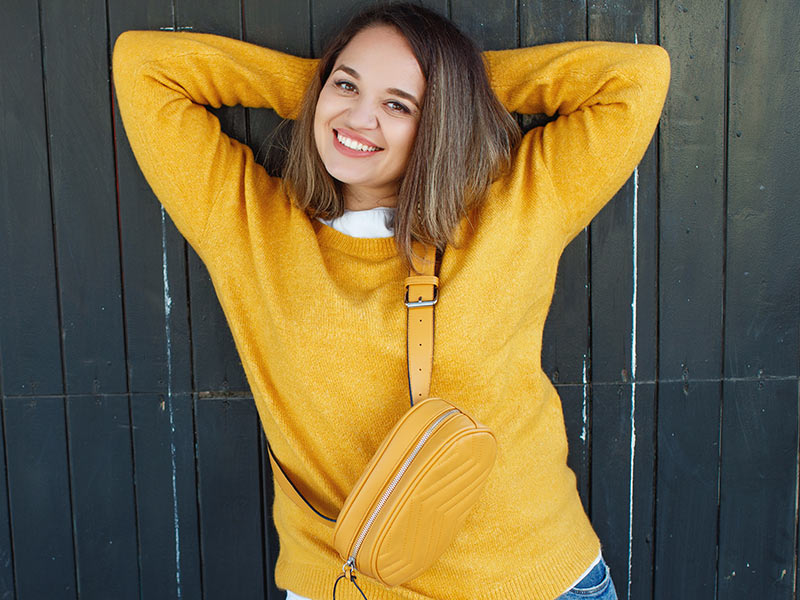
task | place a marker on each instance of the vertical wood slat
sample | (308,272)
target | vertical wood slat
(623,321)
(762,267)
(691,287)
(39,494)
(6,553)
(758,490)
(166,496)
(758,507)
(228,441)
(102,492)
(82,175)
(29,319)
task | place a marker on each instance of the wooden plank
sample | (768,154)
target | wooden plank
(763,244)
(492,26)
(228,439)
(758,490)
(6,551)
(153,252)
(101,469)
(166,496)
(552,21)
(39,497)
(692,201)
(687,484)
(619,242)
(29,319)
(83,186)
(623,478)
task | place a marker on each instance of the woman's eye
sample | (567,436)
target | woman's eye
(396,106)
(345,85)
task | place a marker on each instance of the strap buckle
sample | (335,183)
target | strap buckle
(420,303)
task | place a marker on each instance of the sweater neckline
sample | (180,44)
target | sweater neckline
(374,248)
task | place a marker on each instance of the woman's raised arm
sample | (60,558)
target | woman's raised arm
(163,79)
(609,97)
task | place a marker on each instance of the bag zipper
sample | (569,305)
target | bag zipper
(351,561)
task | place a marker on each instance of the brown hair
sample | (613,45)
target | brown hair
(463,141)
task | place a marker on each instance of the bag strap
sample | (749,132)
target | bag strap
(420,296)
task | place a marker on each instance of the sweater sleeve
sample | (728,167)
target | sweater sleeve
(608,98)
(162,81)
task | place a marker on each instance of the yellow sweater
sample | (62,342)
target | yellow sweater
(318,319)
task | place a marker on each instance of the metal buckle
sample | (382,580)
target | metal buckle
(420,303)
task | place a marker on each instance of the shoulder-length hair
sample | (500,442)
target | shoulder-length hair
(463,142)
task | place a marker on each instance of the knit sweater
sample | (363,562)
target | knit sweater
(318,319)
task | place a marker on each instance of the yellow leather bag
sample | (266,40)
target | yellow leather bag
(421,483)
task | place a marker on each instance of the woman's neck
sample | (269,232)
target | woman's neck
(358,198)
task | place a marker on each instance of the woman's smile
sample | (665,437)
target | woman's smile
(351,144)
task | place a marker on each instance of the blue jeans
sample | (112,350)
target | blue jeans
(596,585)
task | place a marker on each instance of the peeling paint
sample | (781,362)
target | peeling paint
(170,405)
(633,367)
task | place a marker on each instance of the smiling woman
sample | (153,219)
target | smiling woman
(401,114)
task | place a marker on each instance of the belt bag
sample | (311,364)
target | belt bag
(426,475)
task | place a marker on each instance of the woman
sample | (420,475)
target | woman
(399,137)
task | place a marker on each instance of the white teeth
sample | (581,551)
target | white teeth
(354,145)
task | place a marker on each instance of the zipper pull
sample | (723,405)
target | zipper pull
(348,572)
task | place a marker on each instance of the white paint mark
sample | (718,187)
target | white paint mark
(633,365)
(167,321)
(585,401)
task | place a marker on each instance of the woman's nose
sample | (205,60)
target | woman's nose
(362,114)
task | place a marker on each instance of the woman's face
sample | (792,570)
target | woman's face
(368,111)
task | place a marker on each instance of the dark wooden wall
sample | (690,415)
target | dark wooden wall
(131,457)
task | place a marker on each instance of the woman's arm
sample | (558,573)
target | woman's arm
(609,97)
(163,79)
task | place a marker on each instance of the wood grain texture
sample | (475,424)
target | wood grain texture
(228,440)
(166,496)
(29,318)
(763,233)
(101,473)
(83,191)
(39,497)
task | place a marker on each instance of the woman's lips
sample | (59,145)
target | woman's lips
(350,151)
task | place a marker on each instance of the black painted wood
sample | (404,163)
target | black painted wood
(758,490)
(575,400)
(622,483)
(83,189)
(763,237)
(39,497)
(101,470)
(492,27)
(687,485)
(29,317)
(166,496)
(6,552)
(692,201)
(228,440)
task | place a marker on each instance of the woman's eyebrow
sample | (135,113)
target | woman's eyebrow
(396,91)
